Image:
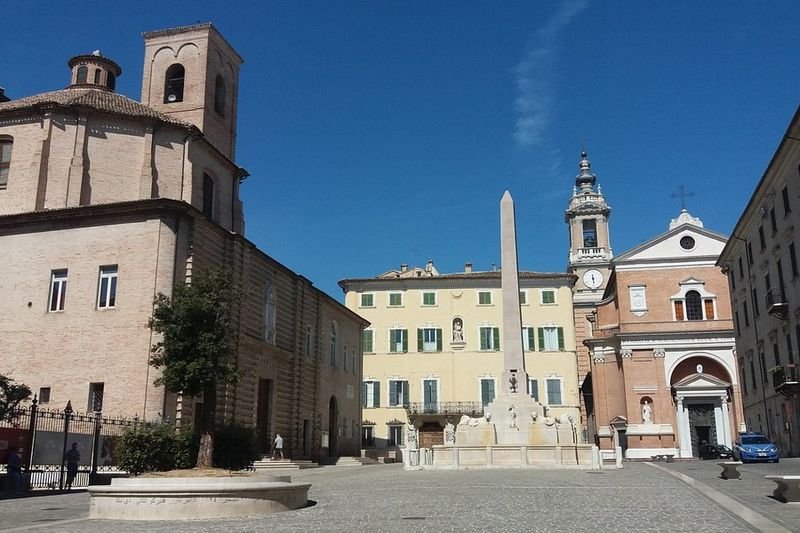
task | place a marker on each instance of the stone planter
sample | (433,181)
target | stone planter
(195,497)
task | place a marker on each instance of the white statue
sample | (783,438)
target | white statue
(647,413)
(458,330)
(512,415)
(411,437)
(566,419)
(449,433)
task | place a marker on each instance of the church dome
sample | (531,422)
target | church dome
(585,180)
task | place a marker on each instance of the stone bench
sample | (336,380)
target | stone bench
(730,469)
(666,457)
(788,490)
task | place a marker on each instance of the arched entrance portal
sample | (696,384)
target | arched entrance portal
(333,428)
(701,387)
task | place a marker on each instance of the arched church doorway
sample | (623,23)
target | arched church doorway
(333,428)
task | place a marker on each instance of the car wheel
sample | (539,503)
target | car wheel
(777,460)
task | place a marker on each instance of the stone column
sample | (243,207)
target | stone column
(684,439)
(726,422)
(513,358)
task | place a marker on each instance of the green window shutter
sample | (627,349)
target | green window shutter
(377,385)
(484,339)
(496,338)
(419,340)
(393,392)
(531,339)
(561,339)
(534,385)
(484,391)
(491,390)
(541,339)
(405,340)
(405,392)
(363,394)
(438,339)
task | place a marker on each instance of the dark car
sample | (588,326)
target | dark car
(715,451)
(755,447)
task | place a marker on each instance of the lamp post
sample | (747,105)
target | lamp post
(67,415)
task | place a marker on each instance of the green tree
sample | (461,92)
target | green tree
(11,395)
(194,353)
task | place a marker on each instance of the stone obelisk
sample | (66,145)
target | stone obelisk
(515,379)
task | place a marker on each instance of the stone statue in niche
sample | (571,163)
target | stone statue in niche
(411,437)
(449,433)
(647,413)
(458,330)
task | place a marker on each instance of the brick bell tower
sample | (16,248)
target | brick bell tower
(192,74)
(590,260)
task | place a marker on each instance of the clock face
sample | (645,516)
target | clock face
(593,278)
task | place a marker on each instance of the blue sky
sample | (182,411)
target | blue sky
(381,133)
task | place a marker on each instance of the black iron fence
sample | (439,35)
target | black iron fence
(445,408)
(44,437)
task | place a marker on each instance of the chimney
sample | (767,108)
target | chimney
(3,97)
(403,268)
(468,268)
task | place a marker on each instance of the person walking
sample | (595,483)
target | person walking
(277,446)
(72,457)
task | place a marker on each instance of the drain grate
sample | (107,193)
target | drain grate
(53,509)
(412,518)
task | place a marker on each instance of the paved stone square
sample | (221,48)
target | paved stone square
(384,498)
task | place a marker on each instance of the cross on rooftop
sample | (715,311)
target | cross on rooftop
(683,195)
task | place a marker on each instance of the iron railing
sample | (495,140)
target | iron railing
(445,408)
(776,302)
(785,376)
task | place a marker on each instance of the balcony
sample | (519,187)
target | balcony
(786,379)
(777,305)
(455,409)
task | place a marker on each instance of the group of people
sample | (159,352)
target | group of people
(15,483)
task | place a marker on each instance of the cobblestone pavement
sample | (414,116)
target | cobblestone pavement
(752,490)
(386,499)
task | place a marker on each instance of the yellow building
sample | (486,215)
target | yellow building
(434,349)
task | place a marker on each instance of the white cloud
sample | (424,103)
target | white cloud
(534,77)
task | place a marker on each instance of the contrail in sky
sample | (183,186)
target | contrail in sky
(534,77)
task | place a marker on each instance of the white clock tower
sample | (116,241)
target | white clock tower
(590,260)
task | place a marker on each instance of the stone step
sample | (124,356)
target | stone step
(347,461)
(285,464)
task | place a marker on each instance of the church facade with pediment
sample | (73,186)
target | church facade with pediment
(661,349)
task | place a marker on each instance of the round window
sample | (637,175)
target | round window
(687,243)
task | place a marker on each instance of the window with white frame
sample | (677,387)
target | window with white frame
(548,296)
(395,299)
(428,298)
(529,339)
(395,435)
(107,287)
(429,340)
(484,297)
(334,346)
(489,338)
(370,394)
(6,144)
(523,297)
(551,339)
(58,290)
(367,300)
(533,388)
(398,393)
(487,391)
(430,395)
(638,298)
(693,302)
(554,391)
(398,340)
(367,341)
(270,313)
(96,391)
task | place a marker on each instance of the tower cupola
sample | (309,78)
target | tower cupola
(585,180)
(94,71)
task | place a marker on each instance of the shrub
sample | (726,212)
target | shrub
(234,447)
(148,448)
(186,446)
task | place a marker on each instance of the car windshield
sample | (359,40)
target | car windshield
(723,448)
(755,440)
